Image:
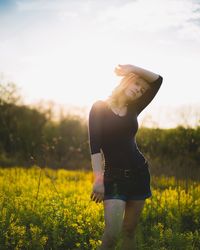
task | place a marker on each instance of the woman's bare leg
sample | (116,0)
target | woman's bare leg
(132,214)
(113,214)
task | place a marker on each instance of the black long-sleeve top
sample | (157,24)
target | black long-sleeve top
(114,134)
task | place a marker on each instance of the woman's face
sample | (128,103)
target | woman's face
(136,89)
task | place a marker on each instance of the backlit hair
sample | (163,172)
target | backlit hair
(125,81)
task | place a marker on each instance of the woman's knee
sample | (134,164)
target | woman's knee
(111,236)
(128,232)
(128,229)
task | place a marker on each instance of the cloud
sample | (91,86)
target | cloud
(42,40)
(34,5)
(180,17)
(40,5)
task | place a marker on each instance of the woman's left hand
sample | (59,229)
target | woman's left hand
(122,70)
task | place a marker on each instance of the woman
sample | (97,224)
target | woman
(121,172)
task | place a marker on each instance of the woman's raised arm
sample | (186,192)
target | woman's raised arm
(125,69)
(154,81)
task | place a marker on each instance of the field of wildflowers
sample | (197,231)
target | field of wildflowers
(51,209)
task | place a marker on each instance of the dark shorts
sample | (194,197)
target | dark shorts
(136,187)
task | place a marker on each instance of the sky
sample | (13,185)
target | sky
(66,50)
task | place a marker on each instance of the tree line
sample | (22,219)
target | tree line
(29,136)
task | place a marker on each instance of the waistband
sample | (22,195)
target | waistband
(121,172)
(127,172)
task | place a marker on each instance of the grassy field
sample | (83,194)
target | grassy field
(48,209)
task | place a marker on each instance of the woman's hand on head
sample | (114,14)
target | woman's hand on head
(123,69)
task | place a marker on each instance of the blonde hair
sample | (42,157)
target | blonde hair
(125,81)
